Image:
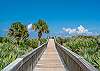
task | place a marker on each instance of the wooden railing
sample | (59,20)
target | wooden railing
(72,61)
(26,62)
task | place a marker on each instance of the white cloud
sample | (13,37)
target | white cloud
(81,29)
(69,30)
(29,26)
(78,30)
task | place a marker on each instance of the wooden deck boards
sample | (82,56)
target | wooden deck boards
(50,60)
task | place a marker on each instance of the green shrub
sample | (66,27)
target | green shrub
(86,46)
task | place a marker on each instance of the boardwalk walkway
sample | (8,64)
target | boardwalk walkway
(50,60)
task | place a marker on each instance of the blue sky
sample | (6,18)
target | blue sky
(58,13)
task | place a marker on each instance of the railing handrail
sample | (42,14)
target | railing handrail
(86,66)
(23,56)
(15,65)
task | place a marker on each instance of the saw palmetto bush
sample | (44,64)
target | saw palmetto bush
(86,46)
(9,52)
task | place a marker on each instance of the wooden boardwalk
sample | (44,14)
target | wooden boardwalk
(50,60)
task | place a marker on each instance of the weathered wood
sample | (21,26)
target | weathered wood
(28,61)
(72,61)
(50,60)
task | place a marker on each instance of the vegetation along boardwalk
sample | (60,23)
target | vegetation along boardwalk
(50,60)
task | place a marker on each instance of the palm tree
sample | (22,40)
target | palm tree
(41,27)
(18,31)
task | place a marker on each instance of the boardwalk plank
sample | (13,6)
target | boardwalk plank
(50,60)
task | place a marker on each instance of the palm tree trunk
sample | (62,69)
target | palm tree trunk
(39,38)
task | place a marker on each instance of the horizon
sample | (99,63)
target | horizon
(63,16)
